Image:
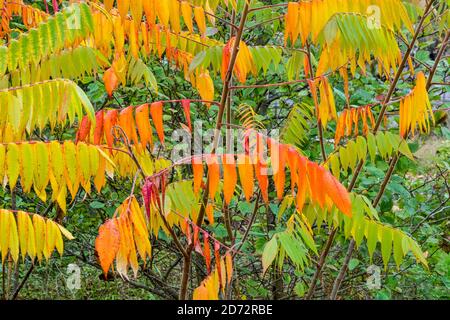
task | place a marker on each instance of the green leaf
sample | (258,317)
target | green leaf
(361,147)
(386,244)
(299,289)
(197,61)
(97,205)
(404,149)
(398,247)
(335,166)
(371,145)
(307,238)
(372,237)
(269,253)
(353,264)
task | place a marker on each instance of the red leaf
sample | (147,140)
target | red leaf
(55,5)
(196,231)
(188,231)
(187,112)
(147,195)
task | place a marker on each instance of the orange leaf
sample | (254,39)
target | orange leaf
(336,191)
(207,251)
(217,257)
(278,156)
(111,81)
(306,65)
(109,122)
(301,195)
(263,180)
(149,9)
(197,168)
(123,6)
(314,178)
(293,166)
(246,175)
(210,213)
(229,177)
(302,182)
(292,22)
(83,131)
(143,125)
(201,293)
(156,111)
(313,88)
(108,4)
(98,132)
(126,122)
(226,54)
(107,244)
(229,267)
(213,174)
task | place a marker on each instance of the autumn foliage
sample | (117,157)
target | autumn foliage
(92,91)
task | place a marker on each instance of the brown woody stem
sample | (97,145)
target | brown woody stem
(222,107)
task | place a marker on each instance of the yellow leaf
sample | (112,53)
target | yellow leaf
(163,12)
(136,8)
(41,173)
(186,11)
(199,15)
(27,166)
(123,7)
(39,233)
(205,87)
(175,15)
(12,164)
